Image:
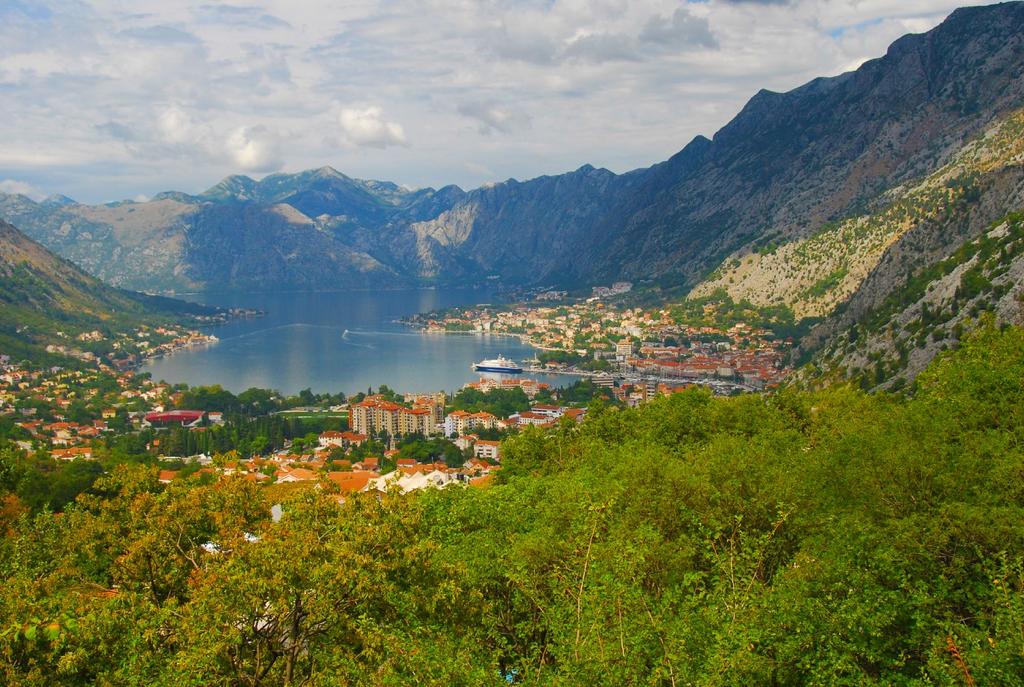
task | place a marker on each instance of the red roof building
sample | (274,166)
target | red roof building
(185,418)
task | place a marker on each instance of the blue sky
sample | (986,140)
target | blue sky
(113,99)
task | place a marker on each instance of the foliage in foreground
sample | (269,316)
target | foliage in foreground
(807,538)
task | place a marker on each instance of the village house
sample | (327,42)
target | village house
(184,418)
(68,454)
(488,450)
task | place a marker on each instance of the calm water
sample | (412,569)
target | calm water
(339,342)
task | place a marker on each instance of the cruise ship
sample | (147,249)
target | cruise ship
(499,364)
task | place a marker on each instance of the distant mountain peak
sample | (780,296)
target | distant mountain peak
(237,186)
(58,200)
(328,171)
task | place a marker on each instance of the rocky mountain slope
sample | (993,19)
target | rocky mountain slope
(898,332)
(816,274)
(236,235)
(786,165)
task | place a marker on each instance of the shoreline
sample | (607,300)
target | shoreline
(522,338)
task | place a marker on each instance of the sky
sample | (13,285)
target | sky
(120,99)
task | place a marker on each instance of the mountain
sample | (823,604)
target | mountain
(828,199)
(286,231)
(46,300)
(328,192)
(884,338)
(786,165)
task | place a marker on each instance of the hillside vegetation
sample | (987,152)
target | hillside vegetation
(46,300)
(824,538)
(891,343)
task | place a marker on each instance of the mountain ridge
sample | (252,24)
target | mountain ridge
(778,173)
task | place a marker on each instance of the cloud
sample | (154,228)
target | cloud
(682,29)
(518,40)
(234,15)
(367,127)
(479,170)
(102,102)
(602,47)
(492,117)
(254,149)
(32,10)
(160,34)
(116,130)
(13,186)
(606,36)
(176,126)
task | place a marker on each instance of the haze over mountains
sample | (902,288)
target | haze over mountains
(803,198)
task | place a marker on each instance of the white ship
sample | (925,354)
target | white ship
(499,364)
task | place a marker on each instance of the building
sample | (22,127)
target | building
(285,475)
(531,418)
(434,402)
(416,421)
(460,422)
(72,453)
(488,450)
(374,415)
(183,418)
(530,387)
(331,440)
(550,411)
(167,476)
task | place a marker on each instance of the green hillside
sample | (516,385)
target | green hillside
(45,300)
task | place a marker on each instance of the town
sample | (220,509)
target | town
(726,346)
(126,350)
(75,422)
(72,424)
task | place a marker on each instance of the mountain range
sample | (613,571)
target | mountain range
(828,198)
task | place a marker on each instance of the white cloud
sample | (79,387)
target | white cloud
(493,117)
(254,149)
(367,127)
(13,186)
(176,126)
(101,102)
(479,169)
(682,29)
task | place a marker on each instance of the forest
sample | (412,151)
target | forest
(804,537)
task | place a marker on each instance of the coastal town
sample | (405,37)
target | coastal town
(126,350)
(82,418)
(90,418)
(705,343)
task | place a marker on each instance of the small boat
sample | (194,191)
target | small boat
(499,364)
